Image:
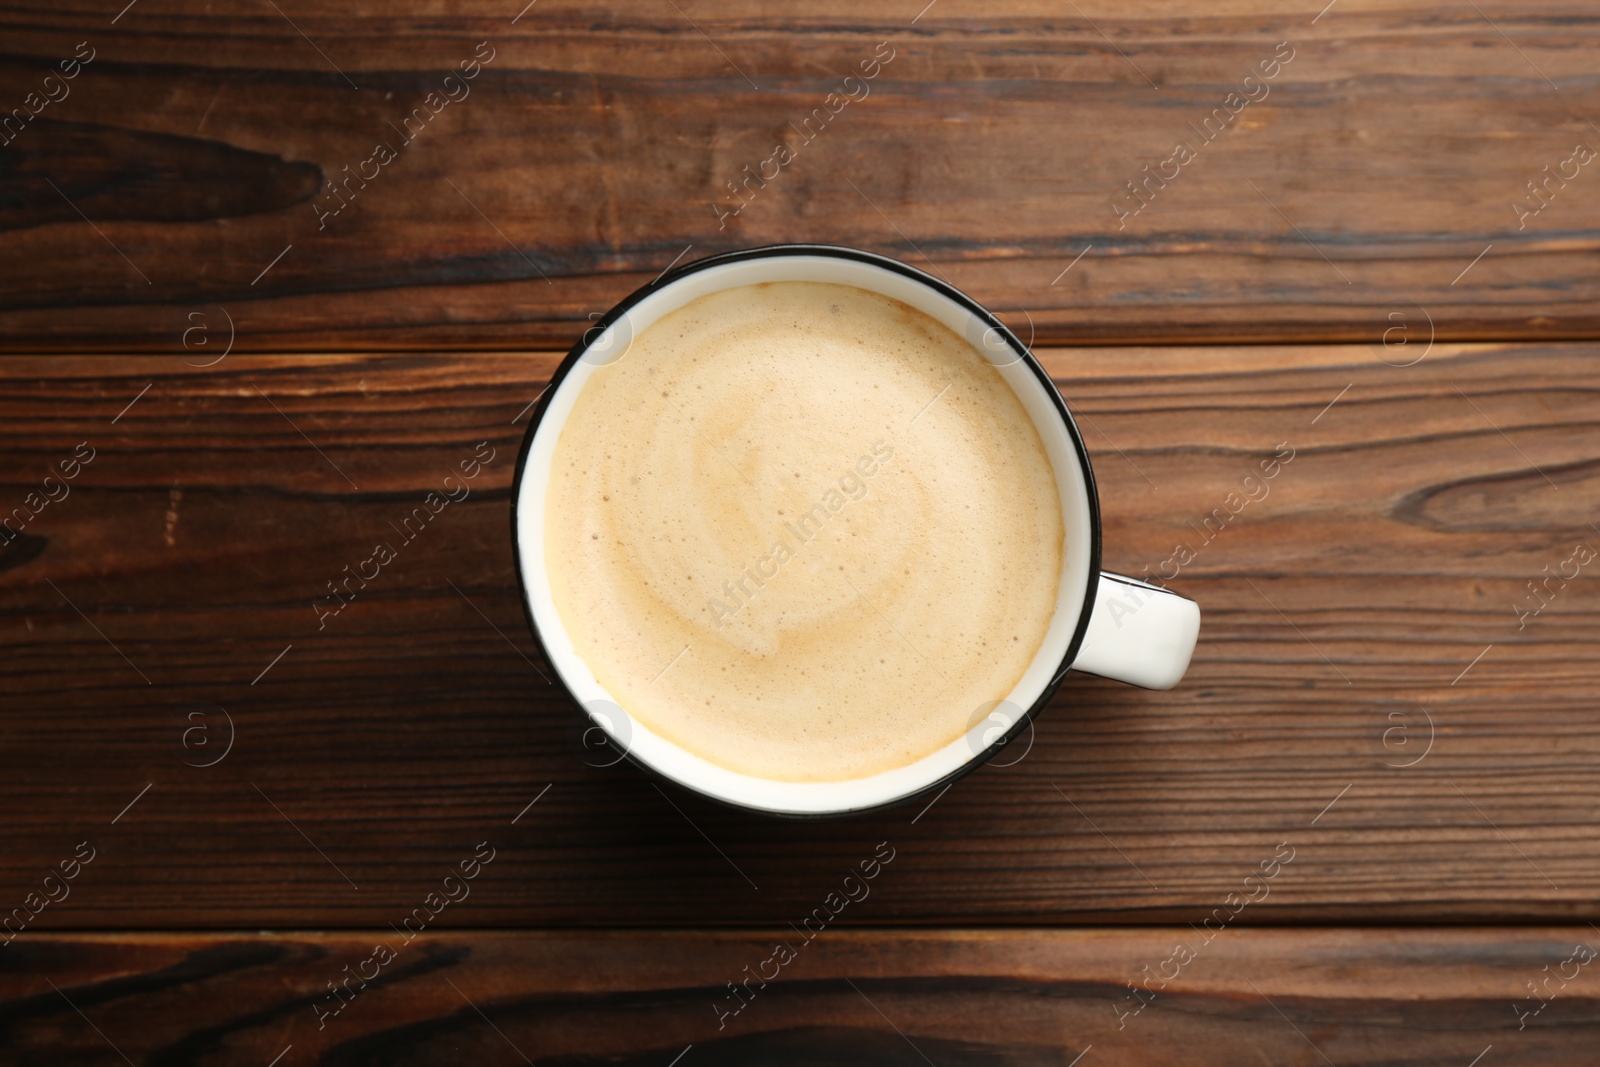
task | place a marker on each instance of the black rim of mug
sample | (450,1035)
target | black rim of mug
(943,288)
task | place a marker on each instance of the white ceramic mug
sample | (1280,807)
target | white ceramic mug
(1104,624)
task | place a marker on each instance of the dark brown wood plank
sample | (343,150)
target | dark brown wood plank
(956,998)
(595,147)
(1364,689)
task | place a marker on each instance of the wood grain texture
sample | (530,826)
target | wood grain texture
(1024,998)
(1364,690)
(597,146)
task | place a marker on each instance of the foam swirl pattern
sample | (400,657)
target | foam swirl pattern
(803,531)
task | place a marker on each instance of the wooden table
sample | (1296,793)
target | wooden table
(238,376)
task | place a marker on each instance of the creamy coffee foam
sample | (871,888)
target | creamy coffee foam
(803,531)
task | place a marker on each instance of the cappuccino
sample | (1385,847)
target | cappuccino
(803,531)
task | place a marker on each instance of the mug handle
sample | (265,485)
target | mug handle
(1138,633)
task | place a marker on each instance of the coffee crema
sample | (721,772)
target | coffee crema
(803,531)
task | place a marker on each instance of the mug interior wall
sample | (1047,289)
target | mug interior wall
(693,771)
